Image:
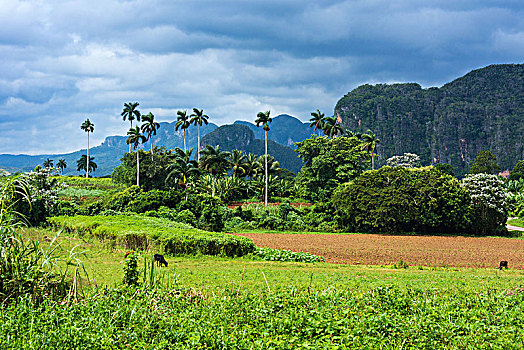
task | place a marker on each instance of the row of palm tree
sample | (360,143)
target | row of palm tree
(184,121)
(82,164)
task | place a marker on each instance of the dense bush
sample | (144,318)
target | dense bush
(403,200)
(142,232)
(517,172)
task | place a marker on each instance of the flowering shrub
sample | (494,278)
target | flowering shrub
(407,160)
(489,205)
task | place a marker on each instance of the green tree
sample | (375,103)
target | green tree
(369,143)
(445,168)
(251,165)
(182,123)
(88,127)
(400,199)
(131,113)
(238,163)
(61,165)
(150,127)
(82,164)
(485,163)
(182,171)
(215,162)
(518,171)
(134,137)
(317,121)
(264,119)
(331,127)
(197,118)
(153,172)
(328,163)
(48,163)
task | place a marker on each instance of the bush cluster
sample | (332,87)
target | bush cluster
(286,255)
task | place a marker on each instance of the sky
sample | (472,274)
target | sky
(64,61)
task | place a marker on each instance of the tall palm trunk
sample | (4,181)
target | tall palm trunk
(372,161)
(87,168)
(137,168)
(184,140)
(213,187)
(265,200)
(151,138)
(198,145)
(131,128)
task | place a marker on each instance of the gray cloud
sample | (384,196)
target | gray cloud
(63,61)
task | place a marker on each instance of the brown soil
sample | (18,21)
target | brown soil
(386,249)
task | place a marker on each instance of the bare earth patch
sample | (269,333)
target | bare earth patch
(367,249)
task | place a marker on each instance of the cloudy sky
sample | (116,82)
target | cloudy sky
(65,60)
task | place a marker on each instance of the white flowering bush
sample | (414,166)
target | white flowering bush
(489,203)
(407,160)
(42,195)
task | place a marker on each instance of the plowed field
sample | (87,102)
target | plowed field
(386,249)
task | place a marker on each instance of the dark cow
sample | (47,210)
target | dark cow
(160,260)
(503,263)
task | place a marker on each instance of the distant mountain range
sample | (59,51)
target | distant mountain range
(483,110)
(285,130)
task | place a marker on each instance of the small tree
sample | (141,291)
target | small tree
(445,168)
(518,171)
(485,163)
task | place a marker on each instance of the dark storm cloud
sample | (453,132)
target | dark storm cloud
(65,60)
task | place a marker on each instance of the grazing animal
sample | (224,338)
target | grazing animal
(503,263)
(160,260)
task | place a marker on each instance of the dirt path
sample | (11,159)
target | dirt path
(370,249)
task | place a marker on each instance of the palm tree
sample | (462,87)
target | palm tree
(273,166)
(215,161)
(48,163)
(198,117)
(184,154)
(88,127)
(150,127)
(264,119)
(135,137)
(251,165)
(369,143)
(182,123)
(81,164)
(182,171)
(351,133)
(130,113)
(238,163)
(61,165)
(331,127)
(317,121)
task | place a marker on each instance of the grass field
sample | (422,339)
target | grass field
(203,302)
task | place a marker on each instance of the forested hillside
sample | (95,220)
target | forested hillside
(483,110)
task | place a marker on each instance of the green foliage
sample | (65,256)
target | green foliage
(403,200)
(518,171)
(131,269)
(489,207)
(384,317)
(327,163)
(286,255)
(445,168)
(153,170)
(140,232)
(485,163)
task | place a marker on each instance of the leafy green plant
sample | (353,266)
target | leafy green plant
(286,255)
(131,269)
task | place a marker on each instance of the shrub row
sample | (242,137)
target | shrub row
(142,232)
(286,255)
